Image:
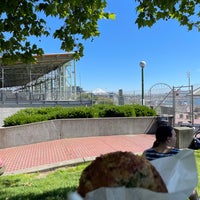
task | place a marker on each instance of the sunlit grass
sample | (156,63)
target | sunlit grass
(197,156)
(41,186)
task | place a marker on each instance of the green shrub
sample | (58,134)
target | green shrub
(80,112)
(31,115)
(144,111)
(117,111)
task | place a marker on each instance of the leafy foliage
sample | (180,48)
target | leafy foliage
(22,19)
(120,111)
(144,111)
(30,115)
(185,12)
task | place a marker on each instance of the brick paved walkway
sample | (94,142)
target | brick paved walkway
(57,153)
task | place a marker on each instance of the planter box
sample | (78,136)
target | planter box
(72,128)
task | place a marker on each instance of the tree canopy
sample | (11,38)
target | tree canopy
(186,12)
(21,19)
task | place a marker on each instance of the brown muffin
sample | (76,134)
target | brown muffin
(120,169)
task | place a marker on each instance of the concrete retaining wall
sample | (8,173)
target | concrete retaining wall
(71,128)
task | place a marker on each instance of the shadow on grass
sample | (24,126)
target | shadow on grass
(57,194)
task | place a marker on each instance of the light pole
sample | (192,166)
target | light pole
(142,65)
(191,97)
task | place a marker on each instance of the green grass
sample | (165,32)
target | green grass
(197,156)
(41,186)
(53,185)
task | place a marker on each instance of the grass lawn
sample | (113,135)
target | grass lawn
(53,185)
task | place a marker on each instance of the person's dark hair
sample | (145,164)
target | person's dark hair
(162,133)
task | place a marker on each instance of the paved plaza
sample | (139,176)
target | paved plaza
(59,153)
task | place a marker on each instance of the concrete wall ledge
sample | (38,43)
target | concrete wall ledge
(73,128)
(184,136)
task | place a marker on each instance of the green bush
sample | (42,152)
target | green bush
(144,111)
(80,112)
(117,111)
(31,115)
(24,117)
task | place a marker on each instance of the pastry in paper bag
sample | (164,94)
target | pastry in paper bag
(178,172)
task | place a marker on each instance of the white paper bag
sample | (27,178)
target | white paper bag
(179,172)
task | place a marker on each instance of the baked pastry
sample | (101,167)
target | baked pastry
(120,169)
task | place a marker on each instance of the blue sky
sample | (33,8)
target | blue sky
(111,61)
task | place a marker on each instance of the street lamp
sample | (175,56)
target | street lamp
(142,65)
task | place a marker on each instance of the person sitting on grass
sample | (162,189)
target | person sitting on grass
(164,146)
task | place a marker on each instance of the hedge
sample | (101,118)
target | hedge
(30,115)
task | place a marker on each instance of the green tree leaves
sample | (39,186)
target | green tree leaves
(185,12)
(21,19)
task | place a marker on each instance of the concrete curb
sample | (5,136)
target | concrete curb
(50,167)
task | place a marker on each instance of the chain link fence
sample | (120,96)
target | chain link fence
(181,102)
